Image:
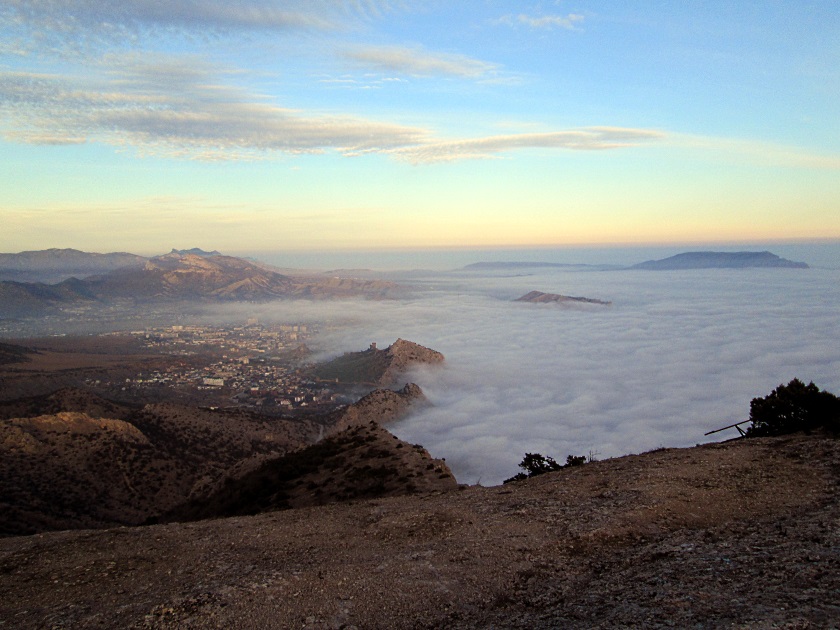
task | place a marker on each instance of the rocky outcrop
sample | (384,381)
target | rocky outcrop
(380,406)
(377,367)
(538,297)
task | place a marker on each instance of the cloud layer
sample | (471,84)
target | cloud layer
(177,107)
(103,20)
(186,107)
(676,354)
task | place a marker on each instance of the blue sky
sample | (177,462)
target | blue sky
(321,124)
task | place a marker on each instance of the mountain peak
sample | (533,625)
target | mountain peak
(720,260)
(378,367)
(195,251)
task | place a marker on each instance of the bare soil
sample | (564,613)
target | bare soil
(744,534)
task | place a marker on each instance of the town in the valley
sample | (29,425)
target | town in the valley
(251,366)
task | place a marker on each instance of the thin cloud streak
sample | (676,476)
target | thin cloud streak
(586,139)
(418,62)
(567,22)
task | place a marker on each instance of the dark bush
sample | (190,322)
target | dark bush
(534,464)
(794,407)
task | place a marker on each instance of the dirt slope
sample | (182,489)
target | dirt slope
(742,535)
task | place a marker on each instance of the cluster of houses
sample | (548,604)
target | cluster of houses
(251,366)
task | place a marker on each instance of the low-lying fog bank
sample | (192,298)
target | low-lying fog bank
(675,355)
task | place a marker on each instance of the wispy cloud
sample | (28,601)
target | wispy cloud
(178,107)
(569,22)
(418,62)
(586,139)
(186,107)
(86,24)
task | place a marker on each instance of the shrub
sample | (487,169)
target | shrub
(794,407)
(534,464)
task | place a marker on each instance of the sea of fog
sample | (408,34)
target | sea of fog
(674,355)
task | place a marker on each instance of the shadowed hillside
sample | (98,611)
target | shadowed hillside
(74,460)
(364,461)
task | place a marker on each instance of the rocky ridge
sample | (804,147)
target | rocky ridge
(740,534)
(376,367)
(74,460)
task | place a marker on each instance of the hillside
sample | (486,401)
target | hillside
(364,461)
(377,367)
(741,534)
(719,260)
(73,460)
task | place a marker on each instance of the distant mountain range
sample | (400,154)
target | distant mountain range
(719,260)
(54,265)
(687,260)
(72,259)
(193,276)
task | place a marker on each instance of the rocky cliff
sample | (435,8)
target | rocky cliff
(377,367)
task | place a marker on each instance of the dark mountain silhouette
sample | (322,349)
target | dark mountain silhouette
(719,260)
(196,251)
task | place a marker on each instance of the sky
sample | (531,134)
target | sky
(322,125)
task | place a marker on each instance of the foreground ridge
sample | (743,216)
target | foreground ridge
(733,534)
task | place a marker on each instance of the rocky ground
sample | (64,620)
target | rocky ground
(744,534)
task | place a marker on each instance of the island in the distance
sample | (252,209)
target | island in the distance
(719,260)
(538,297)
(686,260)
